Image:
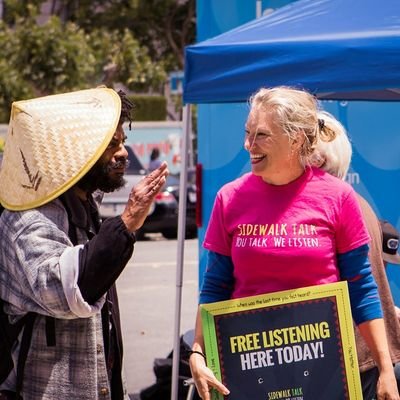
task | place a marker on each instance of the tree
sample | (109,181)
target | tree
(84,43)
(12,85)
(57,57)
(14,9)
(42,59)
(165,27)
(53,57)
(120,58)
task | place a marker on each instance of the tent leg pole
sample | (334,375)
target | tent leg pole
(180,250)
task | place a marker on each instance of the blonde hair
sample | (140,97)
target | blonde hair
(333,157)
(296,112)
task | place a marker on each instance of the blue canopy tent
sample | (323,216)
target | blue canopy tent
(337,49)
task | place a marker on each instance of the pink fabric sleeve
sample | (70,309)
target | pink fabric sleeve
(217,238)
(351,230)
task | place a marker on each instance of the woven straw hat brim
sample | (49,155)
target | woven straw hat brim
(52,142)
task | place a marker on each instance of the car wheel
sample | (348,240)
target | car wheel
(170,233)
(191,234)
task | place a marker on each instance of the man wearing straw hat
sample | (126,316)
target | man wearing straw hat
(57,262)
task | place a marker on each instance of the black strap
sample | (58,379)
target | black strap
(23,351)
(71,227)
(50,331)
(7,395)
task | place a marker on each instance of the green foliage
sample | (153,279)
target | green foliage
(12,85)
(40,60)
(53,57)
(102,43)
(136,68)
(133,66)
(165,27)
(149,108)
(16,9)
(90,42)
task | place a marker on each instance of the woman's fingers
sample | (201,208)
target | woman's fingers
(220,387)
(205,381)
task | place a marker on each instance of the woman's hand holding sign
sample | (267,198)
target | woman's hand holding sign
(204,378)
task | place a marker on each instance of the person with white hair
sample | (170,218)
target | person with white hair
(334,157)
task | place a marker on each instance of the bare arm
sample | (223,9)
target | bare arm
(374,334)
(204,378)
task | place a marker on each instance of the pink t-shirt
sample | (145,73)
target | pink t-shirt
(285,237)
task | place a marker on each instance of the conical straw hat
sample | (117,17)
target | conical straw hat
(52,142)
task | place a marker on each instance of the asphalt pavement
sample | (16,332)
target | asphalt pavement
(147,296)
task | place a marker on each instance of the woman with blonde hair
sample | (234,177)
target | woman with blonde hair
(281,133)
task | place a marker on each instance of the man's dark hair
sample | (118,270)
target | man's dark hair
(126,108)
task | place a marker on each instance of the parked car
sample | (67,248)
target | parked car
(163,215)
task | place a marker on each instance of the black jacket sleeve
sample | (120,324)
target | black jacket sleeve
(103,258)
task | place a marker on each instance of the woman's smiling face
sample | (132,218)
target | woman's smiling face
(271,151)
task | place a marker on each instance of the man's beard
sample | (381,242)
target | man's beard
(99,178)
